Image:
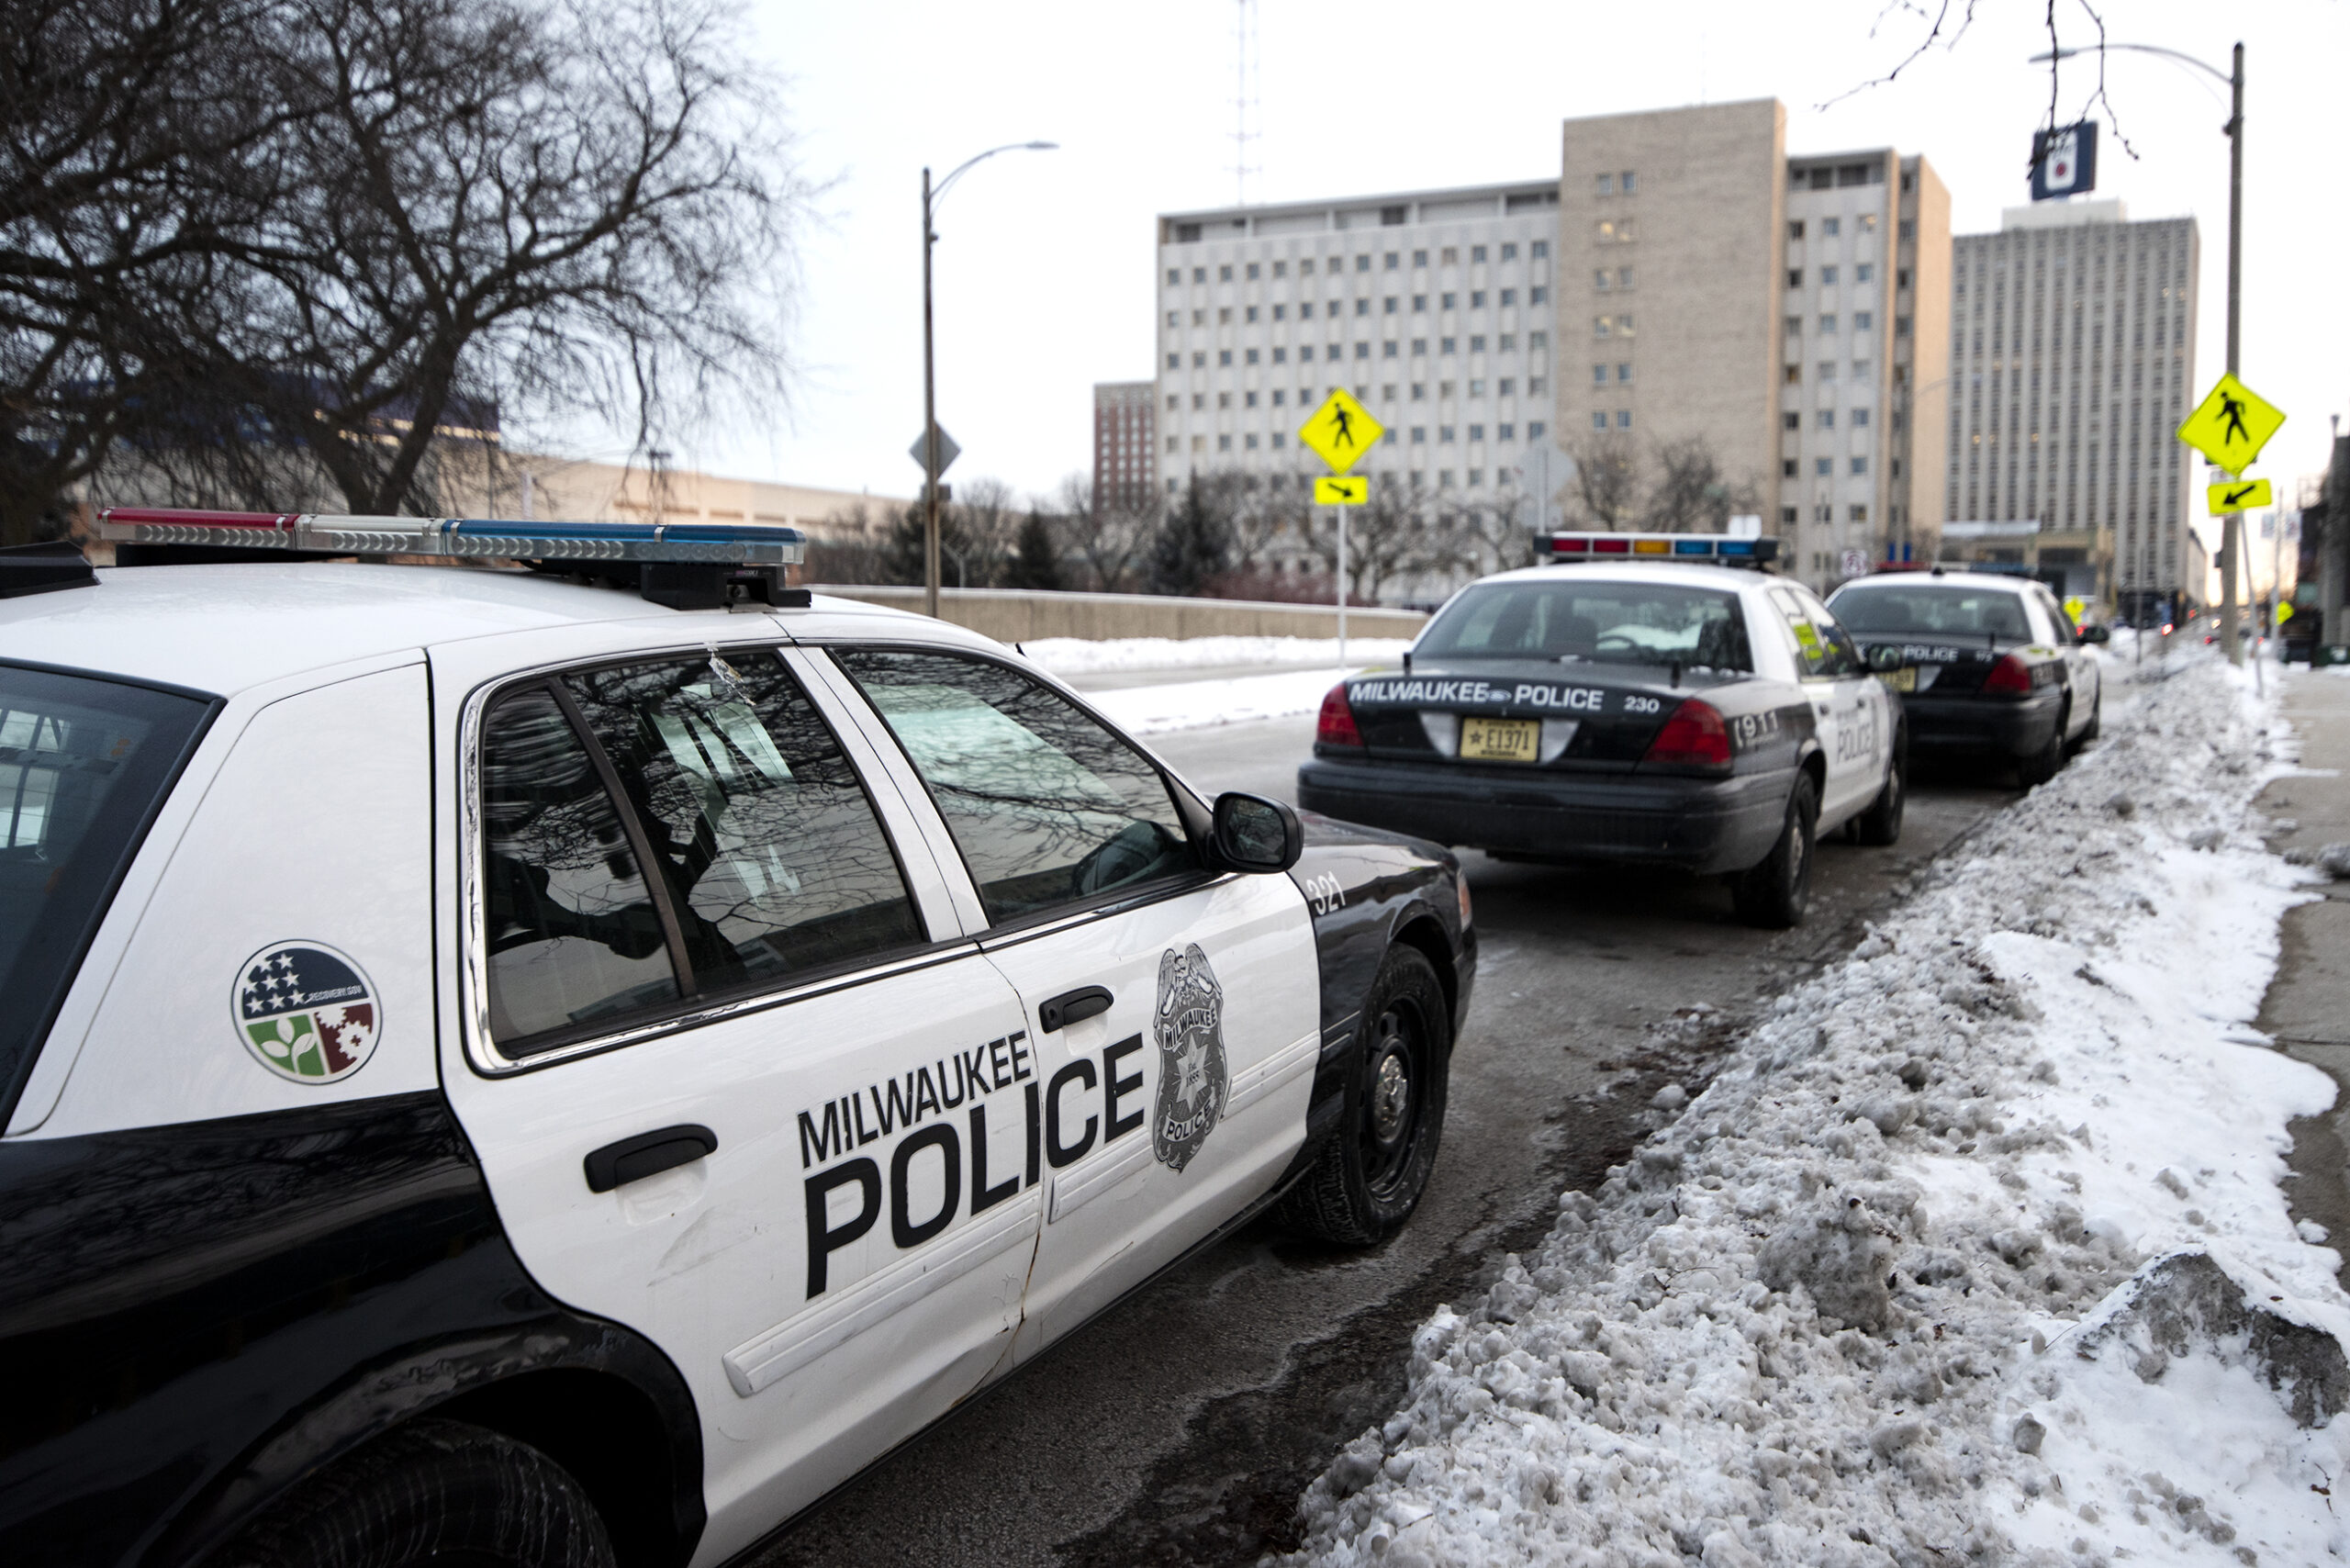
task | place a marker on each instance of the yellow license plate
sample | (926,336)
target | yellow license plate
(1903,679)
(1500,740)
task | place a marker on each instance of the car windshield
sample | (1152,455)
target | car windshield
(1591,620)
(1930,609)
(82,764)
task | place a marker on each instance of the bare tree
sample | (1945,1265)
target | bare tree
(988,516)
(1110,540)
(1605,492)
(1389,537)
(1690,494)
(848,547)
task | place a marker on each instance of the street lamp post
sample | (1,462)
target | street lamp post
(931,197)
(2231,526)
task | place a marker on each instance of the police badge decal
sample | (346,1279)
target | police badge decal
(1192,1074)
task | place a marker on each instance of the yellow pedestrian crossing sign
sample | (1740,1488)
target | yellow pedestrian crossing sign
(1341,431)
(2230,425)
(1349,491)
(2238,495)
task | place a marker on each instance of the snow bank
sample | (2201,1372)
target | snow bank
(1146,709)
(1974,1249)
(1079,655)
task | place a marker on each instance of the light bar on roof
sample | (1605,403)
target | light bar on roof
(707,543)
(1690,548)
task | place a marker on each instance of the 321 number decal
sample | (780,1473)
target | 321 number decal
(1324,893)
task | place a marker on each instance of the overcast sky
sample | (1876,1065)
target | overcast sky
(1045,264)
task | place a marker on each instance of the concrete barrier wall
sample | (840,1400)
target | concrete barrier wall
(1019,615)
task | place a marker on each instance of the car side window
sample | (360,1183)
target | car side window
(1047,806)
(770,863)
(1823,650)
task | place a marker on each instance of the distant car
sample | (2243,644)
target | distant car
(505,1071)
(1650,701)
(1989,666)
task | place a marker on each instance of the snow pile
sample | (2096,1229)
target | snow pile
(1080,656)
(1148,710)
(1973,1250)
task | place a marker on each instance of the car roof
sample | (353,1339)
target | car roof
(1631,571)
(224,628)
(1997,581)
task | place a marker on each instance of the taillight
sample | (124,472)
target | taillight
(2010,677)
(1694,736)
(1337,725)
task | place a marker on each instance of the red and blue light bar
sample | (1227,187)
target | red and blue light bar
(473,538)
(1694,549)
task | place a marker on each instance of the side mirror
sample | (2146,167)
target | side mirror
(1253,833)
(2095,634)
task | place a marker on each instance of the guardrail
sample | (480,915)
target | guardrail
(1019,615)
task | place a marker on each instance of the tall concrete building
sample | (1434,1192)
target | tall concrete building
(1431,307)
(2072,348)
(1125,444)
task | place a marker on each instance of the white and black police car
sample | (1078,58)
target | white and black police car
(1989,666)
(497,1069)
(1645,699)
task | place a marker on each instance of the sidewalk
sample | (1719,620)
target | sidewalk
(2308,1005)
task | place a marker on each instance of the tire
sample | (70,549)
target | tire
(1881,824)
(2043,765)
(1368,1178)
(1776,894)
(438,1493)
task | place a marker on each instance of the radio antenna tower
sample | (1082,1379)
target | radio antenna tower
(1247,126)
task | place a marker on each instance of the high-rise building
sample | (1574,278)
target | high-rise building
(1685,286)
(1431,307)
(2073,359)
(1125,437)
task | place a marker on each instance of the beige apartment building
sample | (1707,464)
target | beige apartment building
(1792,313)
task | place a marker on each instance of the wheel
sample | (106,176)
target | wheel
(1369,1177)
(437,1493)
(1776,893)
(1881,824)
(2043,764)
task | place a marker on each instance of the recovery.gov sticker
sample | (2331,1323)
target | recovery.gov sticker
(306,1011)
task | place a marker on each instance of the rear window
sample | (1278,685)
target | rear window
(1592,621)
(1931,610)
(82,764)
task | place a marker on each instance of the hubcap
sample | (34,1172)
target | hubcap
(1391,1099)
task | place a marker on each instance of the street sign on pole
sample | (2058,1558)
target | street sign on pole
(947,452)
(1349,491)
(2230,425)
(2239,495)
(1340,430)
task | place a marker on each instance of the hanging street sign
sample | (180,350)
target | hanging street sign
(2230,425)
(2238,495)
(2064,161)
(1349,491)
(1341,431)
(947,452)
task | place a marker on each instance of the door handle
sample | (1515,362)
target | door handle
(1072,1007)
(647,1154)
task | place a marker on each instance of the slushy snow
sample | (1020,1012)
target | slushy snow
(1974,1249)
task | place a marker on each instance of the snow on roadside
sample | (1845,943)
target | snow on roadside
(1975,1248)
(1081,656)
(1148,710)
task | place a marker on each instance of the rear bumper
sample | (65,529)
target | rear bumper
(1981,726)
(1704,825)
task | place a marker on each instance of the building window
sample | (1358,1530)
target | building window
(1223,400)
(1509,296)
(1252,313)
(1450,300)
(1534,430)
(1827,323)
(1615,231)
(1506,387)
(1828,276)
(1901,279)
(1174,276)
(1449,256)
(1623,373)
(1786,517)
(1795,229)
(1901,325)
(1603,280)
(1362,351)
(1387,349)
(1171,443)
(1443,432)
(1248,399)
(1387,394)
(1444,388)
(1825,466)
(1607,184)
(1199,359)
(1509,252)
(1362,264)
(1787,468)
(1199,443)
(1623,419)
(1249,441)
(1538,339)
(1224,443)
(1420,302)
(1363,307)
(1599,418)
(1251,356)
(1794,277)
(1419,391)
(1538,247)
(1476,252)
(1476,432)
(1831,227)
(1859,419)
(1827,370)
(1857,513)
(1392,305)
(1540,293)
(1860,370)
(1792,375)
(1252,272)
(1224,356)
(1476,342)
(1281,312)
(1599,375)
(1863,320)
(1826,418)
(1392,261)
(1419,433)
(1624,182)
(1280,397)
(1281,269)
(1863,271)
(1860,464)
(1419,258)
(1199,274)
(1794,325)
(1280,355)
(1223,274)
(1908,229)
(1444,478)
(1790,422)
(1199,399)
(1174,362)
(1445,345)
(1534,385)
(1506,432)
(1420,348)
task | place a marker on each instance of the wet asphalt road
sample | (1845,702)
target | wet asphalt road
(1180,1426)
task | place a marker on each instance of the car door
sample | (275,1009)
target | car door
(2081,671)
(1175,1011)
(742,1105)
(1865,729)
(1830,672)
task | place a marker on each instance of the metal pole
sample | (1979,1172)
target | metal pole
(1342,585)
(929,422)
(2232,528)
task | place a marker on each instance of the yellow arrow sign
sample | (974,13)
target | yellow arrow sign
(1350,491)
(2284,611)
(2237,494)
(1341,431)
(2230,425)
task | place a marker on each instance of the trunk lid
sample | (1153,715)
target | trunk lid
(1583,716)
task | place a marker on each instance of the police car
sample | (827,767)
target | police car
(505,1071)
(1989,666)
(1645,699)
